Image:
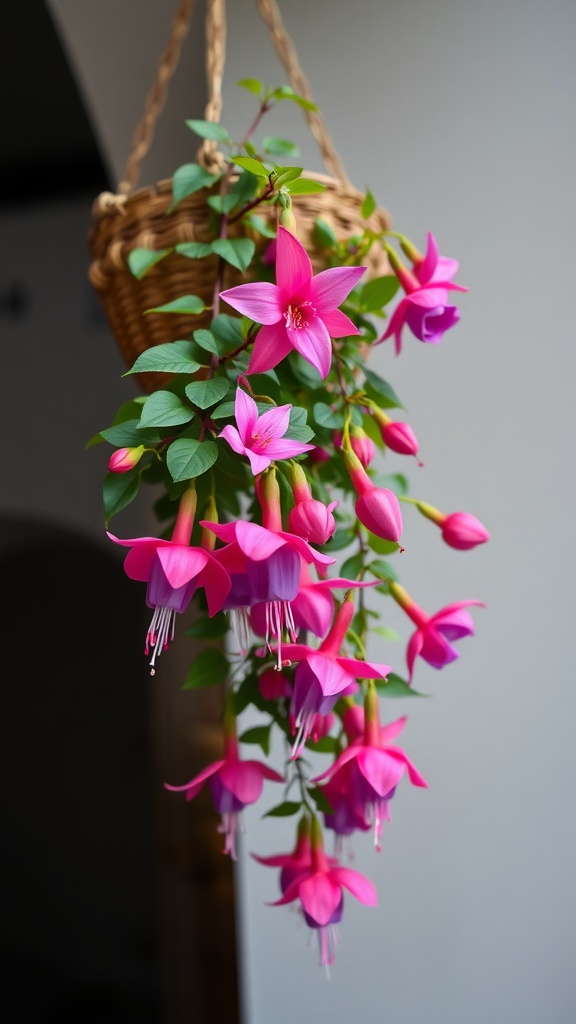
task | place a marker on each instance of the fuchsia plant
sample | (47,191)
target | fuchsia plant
(277,427)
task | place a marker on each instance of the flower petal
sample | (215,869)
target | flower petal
(271,345)
(293,268)
(338,324)
(331,287)
(380,770)
(364,669)
(274,423)
(258,300)
(360,886)
(314,344)
(320,894)
(181,564)
(216,583)
(231,435)
(246,413)
(198,781)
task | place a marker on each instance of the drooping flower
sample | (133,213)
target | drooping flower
(234,784)
(261,438)
(434,634)
(460,530)
(299,311)
(320,889)
(432,267)
(397,436)
(424,308)
(362,445)
(264,563)
(371,768)
(324,674)
(174,571)
(310,518)
(377,508)
(297,861)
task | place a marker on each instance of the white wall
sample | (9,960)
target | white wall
(460,118)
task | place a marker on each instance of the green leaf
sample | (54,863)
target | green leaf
(194,250)
(222,204)
(209,668)
(283,147)
(394,686)
(205,393)
(324,234)
(206,340)
(368,205)
(283,810)
(252,165)
(383,389)
(382,570)
(209,130)
(228,330)
(188,179)
(119,490)
(164,409)
(209,629)
(252,84)
(237,251)
(381,546)
(352,566)
(171,357)
(260,225)
(187,458)
(259,734)
(189,304)
(140,260)
(319,797)
(378,292)
(341,539)
(129,435)
(286,174)
(326,417)
(305,186)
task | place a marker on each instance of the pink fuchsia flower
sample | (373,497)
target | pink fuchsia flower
(298,861)
(460,530)
(362,445)
(424,307)
(324,675)
(434,634)
(310,518)
(320,889)
(377,508)
(234,784)
(125,459)
(397,436)
(261,438)
(174,571)
(299,311)
(372,767)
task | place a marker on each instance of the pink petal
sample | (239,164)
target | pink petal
(388,732)
(216,583)
(258,463)
(258,300)
(314,344)
(357,884)
(380,770)
(427,297)
(364,669)
(198,781)
(413,774)
(285,448)
(245,779)
(313,611)
(271,345)
(429,263)
(293,267)
(246,413)
(397,321)
(338,324)
(320,895)
(331,287)
(181,564)
(256,542)
(309,554)
(331,677)
(274,423)
(413,650)
(231,435)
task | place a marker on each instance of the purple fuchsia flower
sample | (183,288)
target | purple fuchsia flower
(261,438)
(324,675)
(372,768)
(299,311)
(320,889)
(298,861)
(424,308)
(174,571)
(234,784)
(434,633)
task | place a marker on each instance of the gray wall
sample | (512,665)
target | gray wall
(460,118)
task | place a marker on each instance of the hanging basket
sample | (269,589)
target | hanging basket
(142,218)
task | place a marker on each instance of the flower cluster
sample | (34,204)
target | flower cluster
(278,524)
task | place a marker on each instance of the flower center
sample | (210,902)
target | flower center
(295,317)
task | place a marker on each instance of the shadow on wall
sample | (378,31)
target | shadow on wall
(79,902)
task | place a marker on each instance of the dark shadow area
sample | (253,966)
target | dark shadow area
(79,913)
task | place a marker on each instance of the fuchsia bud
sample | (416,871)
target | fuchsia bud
(123,460)
(319,455)
(460,530)
(310,519)
(377,508)
(362,445)
(397,436)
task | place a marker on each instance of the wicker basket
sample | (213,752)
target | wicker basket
(133,219)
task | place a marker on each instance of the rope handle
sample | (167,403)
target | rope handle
(208,154)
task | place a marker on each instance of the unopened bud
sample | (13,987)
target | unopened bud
(123,460)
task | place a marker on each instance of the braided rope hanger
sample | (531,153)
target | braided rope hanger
(208,154)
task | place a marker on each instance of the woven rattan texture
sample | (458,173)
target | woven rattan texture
(143,220)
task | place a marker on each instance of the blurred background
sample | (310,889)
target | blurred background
(460,119)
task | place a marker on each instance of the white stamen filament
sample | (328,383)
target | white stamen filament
(160,632)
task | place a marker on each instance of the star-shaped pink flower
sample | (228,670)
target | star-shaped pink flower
(299,311)
(261,438)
